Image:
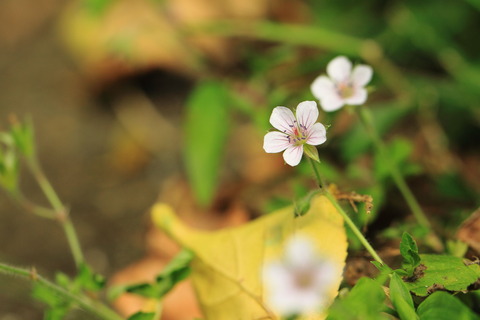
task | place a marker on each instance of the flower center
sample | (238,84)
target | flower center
(304,279)
(345,89)
(298,135)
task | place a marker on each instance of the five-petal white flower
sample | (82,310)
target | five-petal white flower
(294,131)
(343,85)
(298,283)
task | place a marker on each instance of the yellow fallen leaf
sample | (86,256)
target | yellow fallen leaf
(226,271)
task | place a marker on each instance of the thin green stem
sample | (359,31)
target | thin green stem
(366,119)
(45,185)
(345,216)
(94,307)
(33,208)
(318,176)
(61,213)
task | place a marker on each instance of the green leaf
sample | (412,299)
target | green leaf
(443,306)
(23,137)
(177,270)
(87,279)
(58,306)
(457,248)
(144,289)
(356,305)
(401,298)
(385,272)
(303,204)
(142,316)
(441,272)
(409,252)
(206,129)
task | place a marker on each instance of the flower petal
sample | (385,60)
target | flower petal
(307,113)
(339,69)
(322,87)
(299,252)
(317,134)
(275,141)
(293,155)
(361,75)
(332,102)
(359,97)
(283,119)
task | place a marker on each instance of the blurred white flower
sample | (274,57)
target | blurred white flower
(298,283)
(343,85)
(294,131)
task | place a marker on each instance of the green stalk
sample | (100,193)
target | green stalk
(61,213)
(345,216)
(366,119)
(96,308)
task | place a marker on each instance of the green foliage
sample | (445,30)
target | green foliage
(177,270)
(142,316)
(401,298)
(443,306)
(97,7)
(357,141)
(57,305)
(9,166)
(457,248)
(399,151)
(356,305)
(441,272)
(23,137)
(409,252)
(206,128)
(89,280)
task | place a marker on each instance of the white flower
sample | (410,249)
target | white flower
(294,131)
(343,85)
(298,283)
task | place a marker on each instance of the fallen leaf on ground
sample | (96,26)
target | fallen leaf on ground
(227,267)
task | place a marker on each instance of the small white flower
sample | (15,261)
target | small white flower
(294,131)
(298,283)
(343,85)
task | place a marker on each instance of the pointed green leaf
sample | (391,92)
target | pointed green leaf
(206,129)
(401,298)
(409,252)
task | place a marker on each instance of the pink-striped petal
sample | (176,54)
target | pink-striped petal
(283,119)
(293,155)
(339,69)
(275,141)
(307,113)
(317,134)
